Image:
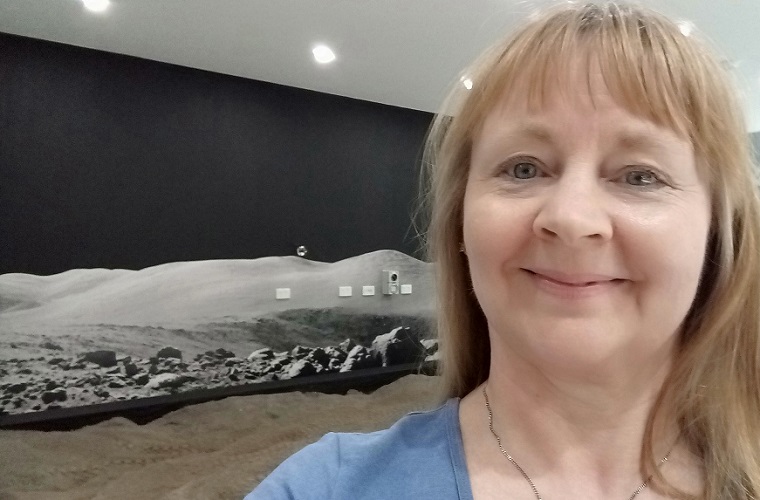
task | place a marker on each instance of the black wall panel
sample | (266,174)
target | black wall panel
(119,162)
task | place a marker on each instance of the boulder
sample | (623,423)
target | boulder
(435,357)
(300,368)
(430,345)
(300,352)
(169,352)
(106,359)
(336,354)
(261,354)
(168,381)
(319,357)
(54,395)
(223,353)
(397,347)
(359,358)
(131,369)
(16,388)
(347,345)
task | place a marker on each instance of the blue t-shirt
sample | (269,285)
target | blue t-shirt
(420,457)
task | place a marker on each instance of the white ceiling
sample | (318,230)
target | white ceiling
(399,52)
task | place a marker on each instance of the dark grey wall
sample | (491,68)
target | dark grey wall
(113,161)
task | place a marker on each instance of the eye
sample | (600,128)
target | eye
(641,178)
(523,170)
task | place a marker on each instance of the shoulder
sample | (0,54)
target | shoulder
(414,454)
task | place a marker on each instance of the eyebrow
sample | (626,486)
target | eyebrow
(533,131)
(640,141)
(630,140)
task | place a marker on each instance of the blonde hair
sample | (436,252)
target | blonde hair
(655,72)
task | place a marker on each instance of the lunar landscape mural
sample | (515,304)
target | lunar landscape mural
(90,336)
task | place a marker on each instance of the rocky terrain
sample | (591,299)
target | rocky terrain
(57,379)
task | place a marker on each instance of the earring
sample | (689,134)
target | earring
(462,249)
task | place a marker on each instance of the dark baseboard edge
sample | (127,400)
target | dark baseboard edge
(144,410)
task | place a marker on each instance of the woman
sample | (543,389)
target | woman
(594,223)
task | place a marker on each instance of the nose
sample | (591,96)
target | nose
(574,212)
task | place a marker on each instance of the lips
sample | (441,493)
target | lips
(576,288)
(577,280)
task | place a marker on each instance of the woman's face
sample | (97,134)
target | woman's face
(585,229)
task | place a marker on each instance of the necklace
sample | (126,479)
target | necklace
(525,474)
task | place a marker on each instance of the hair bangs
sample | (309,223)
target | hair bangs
(634,56)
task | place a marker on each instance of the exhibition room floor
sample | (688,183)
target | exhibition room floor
(220,449)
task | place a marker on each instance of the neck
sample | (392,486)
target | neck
(579,426)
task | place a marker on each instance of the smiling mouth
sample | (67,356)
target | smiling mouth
(581,284)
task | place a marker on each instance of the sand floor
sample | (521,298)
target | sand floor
(215,450)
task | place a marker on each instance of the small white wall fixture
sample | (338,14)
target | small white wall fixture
(406,289)
(282,293)
(390,282)
(345,291)
(368,290)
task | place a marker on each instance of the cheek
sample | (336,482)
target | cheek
(497,234)
(669,250)
(494,231)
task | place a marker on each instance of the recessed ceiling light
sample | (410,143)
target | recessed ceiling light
(323,54)
(686,27)
(96,5)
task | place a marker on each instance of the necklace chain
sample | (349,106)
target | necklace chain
(525,474)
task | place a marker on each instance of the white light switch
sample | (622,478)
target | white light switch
(406,289)
(368,290)
(282,293)
(345,291)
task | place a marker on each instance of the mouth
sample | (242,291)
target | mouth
(574,281)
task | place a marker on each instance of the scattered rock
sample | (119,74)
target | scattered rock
(430,345)
(131,369)
(16,388)
(359,358)
(399,346)
(106,359)
(54,395)
(261,354)
(347,345)
(336,353)
(98,376)
(168,380)
(300,352)
(319,358)
(223,353)
(433,358)
(301,368)
(169,352)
